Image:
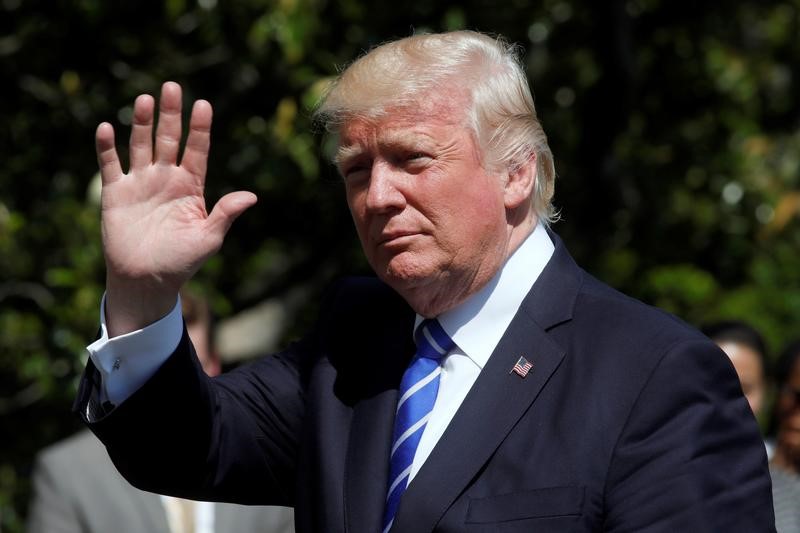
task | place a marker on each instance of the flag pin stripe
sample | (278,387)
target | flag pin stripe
(522,367)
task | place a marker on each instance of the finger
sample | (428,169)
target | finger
(195,155)
(228,209)
(168,131)
(107,158)
(141,143)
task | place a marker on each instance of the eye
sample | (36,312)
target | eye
(415,156)
(416,161)
(354,172)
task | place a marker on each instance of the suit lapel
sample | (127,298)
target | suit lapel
(497,400)
(489,412)
(375,367)
(366,471)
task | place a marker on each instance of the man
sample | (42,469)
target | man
(76,488)
(539,400)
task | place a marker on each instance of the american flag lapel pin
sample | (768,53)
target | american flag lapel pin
(522,367)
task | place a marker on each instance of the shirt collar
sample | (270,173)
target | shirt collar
(477,324)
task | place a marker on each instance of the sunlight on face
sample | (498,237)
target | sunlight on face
(427,213)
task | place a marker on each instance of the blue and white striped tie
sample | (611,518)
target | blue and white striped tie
(418,390)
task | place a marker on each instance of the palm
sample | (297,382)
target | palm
(156,230)
(154,223)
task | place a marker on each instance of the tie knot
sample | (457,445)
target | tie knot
(432,341)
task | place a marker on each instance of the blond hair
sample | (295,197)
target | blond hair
(500,113)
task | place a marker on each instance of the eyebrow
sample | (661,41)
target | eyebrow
(348,152)
(402,139)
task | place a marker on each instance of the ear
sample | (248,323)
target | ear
(519,185)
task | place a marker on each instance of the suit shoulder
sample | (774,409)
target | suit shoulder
(359,294)
(365,301)
(624,340)
(616,312)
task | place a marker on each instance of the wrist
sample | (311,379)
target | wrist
(130,307)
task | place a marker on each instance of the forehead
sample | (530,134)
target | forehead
(402,126)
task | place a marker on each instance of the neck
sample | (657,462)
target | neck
(451,289)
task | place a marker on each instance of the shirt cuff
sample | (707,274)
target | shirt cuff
(127,361)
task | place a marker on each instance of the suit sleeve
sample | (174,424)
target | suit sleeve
(233,438)
(690,456)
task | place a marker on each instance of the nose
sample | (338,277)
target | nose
(384,192)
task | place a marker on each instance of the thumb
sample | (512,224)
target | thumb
(228,209)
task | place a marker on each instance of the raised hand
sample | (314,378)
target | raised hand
(156,230)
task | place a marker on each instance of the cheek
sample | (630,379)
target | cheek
(483,210)
(355,202)
(352,196)
(491,205)
(471,193)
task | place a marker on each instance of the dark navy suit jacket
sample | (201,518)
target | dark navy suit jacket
(628,421)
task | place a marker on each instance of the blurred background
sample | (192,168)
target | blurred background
(675,127)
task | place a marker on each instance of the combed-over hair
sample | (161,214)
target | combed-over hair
(501,113)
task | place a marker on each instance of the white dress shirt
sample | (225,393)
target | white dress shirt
(476,325)
(127,361)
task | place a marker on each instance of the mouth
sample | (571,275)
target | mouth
(395,237)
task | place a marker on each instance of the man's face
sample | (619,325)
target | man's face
(429,217)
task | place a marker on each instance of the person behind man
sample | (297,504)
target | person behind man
(743,344)
(76,488)
(539,399)
(785,464)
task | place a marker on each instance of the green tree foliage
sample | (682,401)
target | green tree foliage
(675,132)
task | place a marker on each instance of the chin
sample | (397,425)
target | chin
(405,273)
